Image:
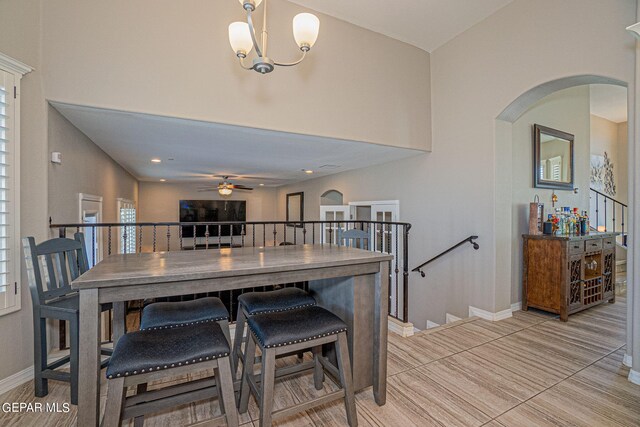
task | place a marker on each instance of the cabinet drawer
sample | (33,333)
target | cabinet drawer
(609,242)
(576,247)
(592,245)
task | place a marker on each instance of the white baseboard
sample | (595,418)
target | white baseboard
(627,360)
(634,376)
(400,328)
(451,318)
(16,379)
(516,306)
(487,315)
(431,324)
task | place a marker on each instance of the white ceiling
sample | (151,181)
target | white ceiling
(427,24)
(202,149)
(609,102)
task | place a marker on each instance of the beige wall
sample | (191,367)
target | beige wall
(174,59)
(20,38)
(568,111)
(159,201)
(85,169)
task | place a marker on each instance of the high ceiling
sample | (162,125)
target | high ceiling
(196,151)
(609,102)
(427,24)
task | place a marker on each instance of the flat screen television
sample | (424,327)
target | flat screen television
(212,211)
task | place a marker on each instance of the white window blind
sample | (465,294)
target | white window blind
(9,256)
(127,214)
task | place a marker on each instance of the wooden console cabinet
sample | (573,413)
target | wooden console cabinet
(567,274)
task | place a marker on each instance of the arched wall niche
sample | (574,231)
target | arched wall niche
(331,198)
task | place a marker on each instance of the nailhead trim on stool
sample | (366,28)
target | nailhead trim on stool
(173,365)
(278,310)
(296,341)
(185,324)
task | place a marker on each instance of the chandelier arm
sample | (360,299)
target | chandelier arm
(241,59)
(253,33)
(291,64)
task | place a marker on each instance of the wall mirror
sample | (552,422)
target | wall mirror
(295,208)
(553,158)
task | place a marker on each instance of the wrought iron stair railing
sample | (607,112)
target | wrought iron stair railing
(610,214)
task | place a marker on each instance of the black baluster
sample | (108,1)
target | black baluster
(180,236)
(168,238)
(194,238)
(624,242)
(605,213)
(397,270)
(231,235)
(124,239)
(285,232)
(243,232)
(109,240)
(304,233)
(264,234)
(275,234)
(206,236)
(597,211)
(140,239)
(405,274)
(155,232)
(313,232)
(614,218)
(219,236)
(93,246)
(253,235)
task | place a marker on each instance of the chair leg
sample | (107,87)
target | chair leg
(115,403)
(267,384)
(224,325)
(74,336)
(344,365)
(225,391)
(237,343)
(41,385)
(318,371)
(247,371)
(139,421)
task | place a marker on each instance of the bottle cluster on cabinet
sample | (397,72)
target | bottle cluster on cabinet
(567,222)
(565,274)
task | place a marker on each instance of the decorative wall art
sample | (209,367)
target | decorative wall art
(602,178)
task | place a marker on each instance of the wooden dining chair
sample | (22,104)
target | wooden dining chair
(354,238)
(51,267)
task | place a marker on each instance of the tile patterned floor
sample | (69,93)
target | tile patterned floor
(529,370)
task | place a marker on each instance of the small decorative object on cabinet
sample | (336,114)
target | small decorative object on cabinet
(567,274)
(536,216)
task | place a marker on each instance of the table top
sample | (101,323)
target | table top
(163,267)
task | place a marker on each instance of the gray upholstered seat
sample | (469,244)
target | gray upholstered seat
(294,326)
(171,314)
(274,301)
(157,349)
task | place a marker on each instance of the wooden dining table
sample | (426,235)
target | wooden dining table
(352,283)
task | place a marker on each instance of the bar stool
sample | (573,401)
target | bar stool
(252,303)
(148,355)
(285,332)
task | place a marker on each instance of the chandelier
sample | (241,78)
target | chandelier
(242,36)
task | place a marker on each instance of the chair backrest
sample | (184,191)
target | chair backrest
(53,265)
(354,238)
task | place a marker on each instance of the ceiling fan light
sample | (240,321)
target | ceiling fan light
(306,27)
(240,38)
(225,191)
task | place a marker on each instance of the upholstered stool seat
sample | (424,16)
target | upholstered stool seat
(153,354)
(280,333)
(273,301)
(153,350)
(252,303)
(294,326)
(171,314)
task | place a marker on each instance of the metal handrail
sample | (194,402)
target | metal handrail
(608,197)
(469,239)
(614,203)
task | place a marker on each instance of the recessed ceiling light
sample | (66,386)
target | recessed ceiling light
(156,160)
(307,171)
(261,185)
(162,180)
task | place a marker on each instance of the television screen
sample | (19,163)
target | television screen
(212,211)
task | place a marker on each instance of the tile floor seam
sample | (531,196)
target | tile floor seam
(555,384)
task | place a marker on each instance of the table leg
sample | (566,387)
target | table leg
(380,335)
(119,320)
(89,363)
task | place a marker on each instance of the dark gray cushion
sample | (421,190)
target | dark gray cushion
(140,352)
(273,301)
(172,314)
(293,326)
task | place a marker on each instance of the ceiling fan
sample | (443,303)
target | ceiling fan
(225,188)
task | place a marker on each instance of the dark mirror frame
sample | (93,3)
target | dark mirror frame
(295,220)
(540,183)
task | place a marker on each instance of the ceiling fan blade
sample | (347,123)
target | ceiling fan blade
(240,187)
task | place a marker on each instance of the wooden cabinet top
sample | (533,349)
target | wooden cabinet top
(593,235)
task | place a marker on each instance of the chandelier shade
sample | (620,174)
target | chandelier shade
(240,38)
(306,27)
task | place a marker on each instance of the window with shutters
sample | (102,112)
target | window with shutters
(11,71)
(127,214)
